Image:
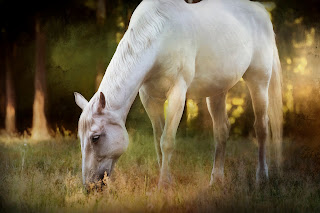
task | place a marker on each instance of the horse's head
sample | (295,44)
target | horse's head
(103,137)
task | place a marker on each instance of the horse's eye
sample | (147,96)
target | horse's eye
(95,138)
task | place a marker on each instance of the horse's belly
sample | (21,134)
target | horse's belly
(204,84)
(217,68)
(201,89)
(214,75)
(209,79)
(210,83)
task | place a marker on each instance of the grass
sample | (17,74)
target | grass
(46,177)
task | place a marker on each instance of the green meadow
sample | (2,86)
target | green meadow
(45,176)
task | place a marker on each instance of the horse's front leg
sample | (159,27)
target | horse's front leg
(154,109)
(176,103)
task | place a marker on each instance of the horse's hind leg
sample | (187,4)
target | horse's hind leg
(259,95)
(221,126)
(154,109)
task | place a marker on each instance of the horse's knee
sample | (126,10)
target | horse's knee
(222,132)
(157,134)
(167,144)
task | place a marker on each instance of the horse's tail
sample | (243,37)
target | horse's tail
(275,106)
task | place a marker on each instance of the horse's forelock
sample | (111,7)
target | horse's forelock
(85,121)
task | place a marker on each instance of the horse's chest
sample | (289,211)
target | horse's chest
(159,85)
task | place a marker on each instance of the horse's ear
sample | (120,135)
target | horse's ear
(102,102)
(80,100)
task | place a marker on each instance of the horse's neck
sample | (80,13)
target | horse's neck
(121,83)
(134,57)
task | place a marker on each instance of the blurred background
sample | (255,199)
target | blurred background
(49,49)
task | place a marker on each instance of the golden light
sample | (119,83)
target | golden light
(118,37)
(302,66)
(310,37)
(192,111)
(237,101)
(120,22)
(232,120)
(121,25)
(229,106)
(289,61)
(298,20)
(237,112)
(288,106)
(235,107)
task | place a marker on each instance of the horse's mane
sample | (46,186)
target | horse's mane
(146,24)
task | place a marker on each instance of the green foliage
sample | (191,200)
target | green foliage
(74,58)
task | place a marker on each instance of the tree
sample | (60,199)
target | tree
(10,120)
(39,121)
(101,17)
(101,12)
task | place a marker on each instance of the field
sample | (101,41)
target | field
(46,177)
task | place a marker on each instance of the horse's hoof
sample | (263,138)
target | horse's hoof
(216,180)
(262,177)
(162,185)
(165,183)
(262,180)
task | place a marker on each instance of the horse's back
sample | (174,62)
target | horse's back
(215,42)
(234,36)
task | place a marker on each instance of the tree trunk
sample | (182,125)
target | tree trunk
(101,12)
(39,122)
(10,122)
(101,17)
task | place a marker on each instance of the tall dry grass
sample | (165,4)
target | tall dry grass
(46,177)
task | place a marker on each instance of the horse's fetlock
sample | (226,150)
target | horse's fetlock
(262,173)
(157,137)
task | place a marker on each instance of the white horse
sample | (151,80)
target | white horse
(173,50)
